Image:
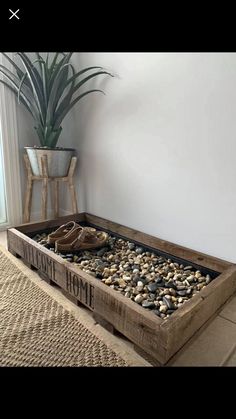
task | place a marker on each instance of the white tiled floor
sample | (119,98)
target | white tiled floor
(3,238)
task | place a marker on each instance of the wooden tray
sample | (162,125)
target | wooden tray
(159,338)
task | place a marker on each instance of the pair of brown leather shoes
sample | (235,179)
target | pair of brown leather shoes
(71,237)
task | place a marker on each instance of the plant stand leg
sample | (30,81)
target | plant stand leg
(72,186)
(55,188)
(29,188)
(73,197)
(44,186)
(28,200)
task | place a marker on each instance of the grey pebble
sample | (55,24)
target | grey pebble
(155,282)
(139,250)
(102,251)
(168,303)
(153,287)
(148,304)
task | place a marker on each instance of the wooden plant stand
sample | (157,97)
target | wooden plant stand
(45,179)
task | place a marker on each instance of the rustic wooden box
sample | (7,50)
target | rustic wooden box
(159,338)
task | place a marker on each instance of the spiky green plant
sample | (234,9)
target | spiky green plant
(48,90)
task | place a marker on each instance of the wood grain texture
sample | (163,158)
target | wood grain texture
(33,227)
(134,322)
(196,311)
(159,338)
(71,184)
(28,200)
(45,181)
(55,198)
(29,189)
(44,164)
(73,196)
(104,323)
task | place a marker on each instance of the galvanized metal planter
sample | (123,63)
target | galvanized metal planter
(58,160)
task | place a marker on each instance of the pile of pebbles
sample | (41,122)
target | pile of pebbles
(152,281)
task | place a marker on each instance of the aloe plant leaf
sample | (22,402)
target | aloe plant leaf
(19,71)
(62,103)
(24,102)
(71,92)
(49,90)
(80,73)
(39,60)
(15,82)
(57,68)
(34,76)
(20,86)
(54,140)
(59,117)
(58,89)
(55,60)
(47,60)
(44,76)
(11,76)
(90,77)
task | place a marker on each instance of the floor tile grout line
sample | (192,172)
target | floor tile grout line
(225,318)
(227,357)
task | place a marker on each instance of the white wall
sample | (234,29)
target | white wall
(158,152)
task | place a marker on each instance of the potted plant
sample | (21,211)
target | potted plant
(48,88)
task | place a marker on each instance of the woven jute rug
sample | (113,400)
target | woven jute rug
(39,327)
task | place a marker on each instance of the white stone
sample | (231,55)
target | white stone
(163,308)
(138,299)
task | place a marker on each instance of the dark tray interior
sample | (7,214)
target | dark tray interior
(158,252)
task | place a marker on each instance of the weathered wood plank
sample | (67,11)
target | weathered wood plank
(137,324)
(29,189)
(43,276)
(161,339)
(69,296)
(28,200)
(223,287)
(32,227)
(129,318)
(55,197)
(181,326)
(34,254)
(146,356)
(44,196)
(190,255)
(72,186)
(104,323)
